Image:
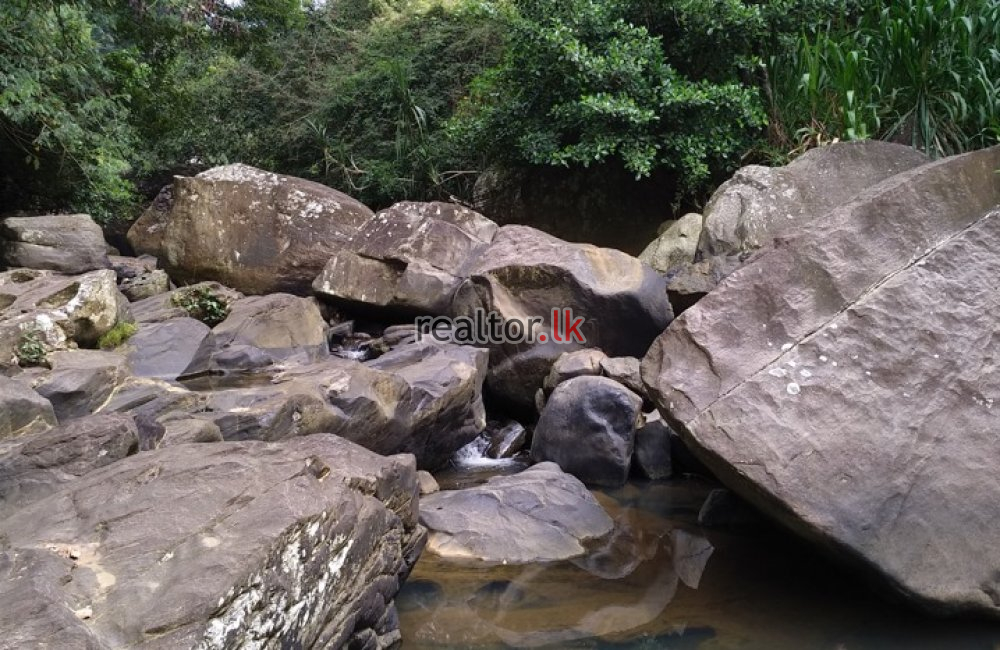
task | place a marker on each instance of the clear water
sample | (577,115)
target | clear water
(759,589)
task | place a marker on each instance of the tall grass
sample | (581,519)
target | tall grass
(920,72)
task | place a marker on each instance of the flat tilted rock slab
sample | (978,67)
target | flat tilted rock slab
(845,382)
(540,515)
(226,545)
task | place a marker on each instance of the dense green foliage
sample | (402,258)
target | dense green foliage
(921,72)
(101,101)
(65,135)
(580,84)
(201,304)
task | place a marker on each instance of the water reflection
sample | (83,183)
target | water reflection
(661,582)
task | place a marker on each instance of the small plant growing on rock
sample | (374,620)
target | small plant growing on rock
(202,304)
(117,335)
(30,349)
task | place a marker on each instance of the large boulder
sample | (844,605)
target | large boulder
(81,381)
(34,466)
(229,545)
(255,231)
(408,257)
(41,311)
(261,330)
(539,515)
(588,429)
(526,274)
(676,246)
(844,382)
(67,243)
(166,348)
(22,410)
(759,203)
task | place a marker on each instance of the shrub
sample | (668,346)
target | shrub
(30,349)
(579,84)
(921,72)
(202,304)
(114,337)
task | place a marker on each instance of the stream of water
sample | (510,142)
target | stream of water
(664,582)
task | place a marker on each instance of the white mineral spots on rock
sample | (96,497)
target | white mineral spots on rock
(792,388)
(777,372)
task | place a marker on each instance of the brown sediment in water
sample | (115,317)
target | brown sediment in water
(656,585)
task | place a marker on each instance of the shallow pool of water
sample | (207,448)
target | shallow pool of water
(664,582)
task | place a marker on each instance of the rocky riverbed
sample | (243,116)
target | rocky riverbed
(238,437)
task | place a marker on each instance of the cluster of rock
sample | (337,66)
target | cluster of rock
(243,469)
(125,392)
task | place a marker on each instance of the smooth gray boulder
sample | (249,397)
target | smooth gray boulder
(164,349)
(252,230)
(190,429)
(677,245)
(22,410)
(526,273)
(759,204)
(81,381)
(539,515)
(844,383)
(588,429)
(261,330)
(36,465)
(229,545)
(408,257)
(66,243)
